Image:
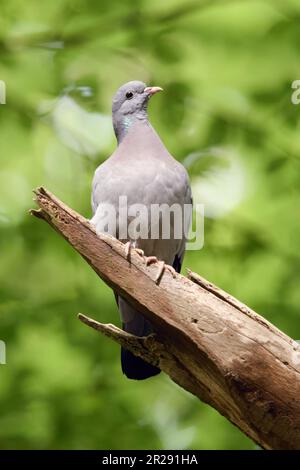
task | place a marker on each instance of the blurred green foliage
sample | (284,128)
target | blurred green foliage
(227,69)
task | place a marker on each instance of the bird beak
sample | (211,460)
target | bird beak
(151,90)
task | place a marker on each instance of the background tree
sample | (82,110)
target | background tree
(227,70)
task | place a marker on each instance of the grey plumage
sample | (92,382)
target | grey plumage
(142,169)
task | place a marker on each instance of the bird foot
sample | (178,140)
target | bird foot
(171,270)
(128,247)
(151,260)
(160,271)
(163,267)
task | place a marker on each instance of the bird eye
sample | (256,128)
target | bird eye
(129,95)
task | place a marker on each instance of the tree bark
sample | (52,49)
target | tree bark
(207,341)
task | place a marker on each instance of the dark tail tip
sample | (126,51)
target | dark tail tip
(135,368)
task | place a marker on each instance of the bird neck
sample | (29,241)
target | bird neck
(123,123)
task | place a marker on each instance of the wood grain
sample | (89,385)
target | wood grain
(208,342)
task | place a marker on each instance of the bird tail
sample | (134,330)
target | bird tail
(133,322)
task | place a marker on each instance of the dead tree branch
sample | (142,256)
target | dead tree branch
(206,341)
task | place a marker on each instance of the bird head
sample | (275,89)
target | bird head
(129,104)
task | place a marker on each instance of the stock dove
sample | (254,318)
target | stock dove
(141,169)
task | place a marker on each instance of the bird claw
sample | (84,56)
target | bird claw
(151,260)
(171,270)
(140,252)
(161,270)
(128,247)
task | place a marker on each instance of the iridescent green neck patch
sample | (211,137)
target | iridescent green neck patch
(128,121)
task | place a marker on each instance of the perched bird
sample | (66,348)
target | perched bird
(141,169)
